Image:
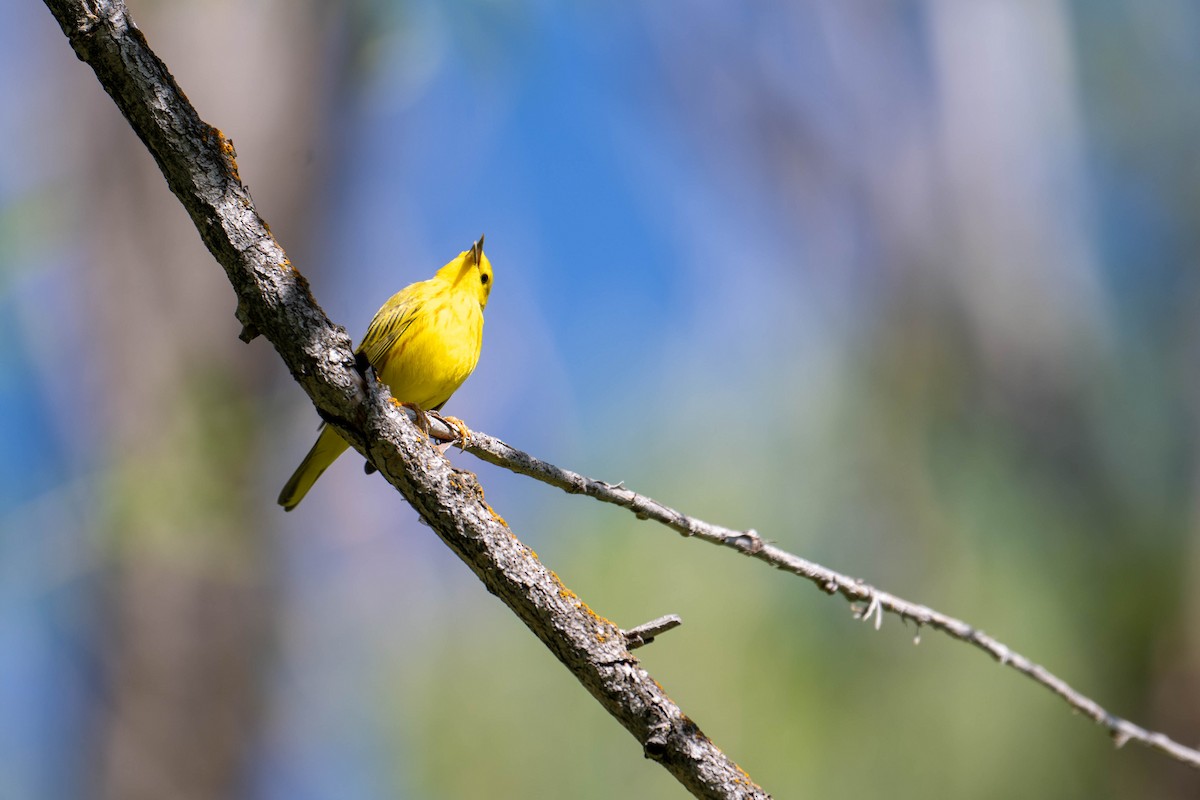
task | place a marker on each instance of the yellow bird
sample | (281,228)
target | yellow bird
(423,344)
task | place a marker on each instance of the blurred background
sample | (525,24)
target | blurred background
(910,288)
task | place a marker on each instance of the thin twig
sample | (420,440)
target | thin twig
(749,543)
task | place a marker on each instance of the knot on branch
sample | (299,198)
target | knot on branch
(655,746)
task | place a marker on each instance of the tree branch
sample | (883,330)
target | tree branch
(749,543)
(273,299)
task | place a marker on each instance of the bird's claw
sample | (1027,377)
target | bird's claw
(464,433)
(460,427)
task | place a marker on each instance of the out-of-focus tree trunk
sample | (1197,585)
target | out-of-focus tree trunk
(188,602)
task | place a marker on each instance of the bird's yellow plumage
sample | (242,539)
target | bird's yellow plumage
(423,344)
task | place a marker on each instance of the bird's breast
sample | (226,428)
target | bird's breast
(438,353)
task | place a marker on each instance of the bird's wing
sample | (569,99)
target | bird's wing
(390,323)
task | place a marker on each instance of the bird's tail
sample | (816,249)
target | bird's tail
(327,448)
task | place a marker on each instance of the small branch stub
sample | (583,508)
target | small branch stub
(645,633)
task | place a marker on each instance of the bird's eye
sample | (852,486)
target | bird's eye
(484,278)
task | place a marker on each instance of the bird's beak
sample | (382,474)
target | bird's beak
(477,250)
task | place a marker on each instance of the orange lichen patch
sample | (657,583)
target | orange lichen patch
(585,608)
(286,264)
(225,145)
(567,594)
(564,592)
(478,489)
(500,520)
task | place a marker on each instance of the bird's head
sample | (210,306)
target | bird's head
(470,271)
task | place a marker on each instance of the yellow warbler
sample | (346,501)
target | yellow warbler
(423,344)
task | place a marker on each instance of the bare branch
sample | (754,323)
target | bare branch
(748,542)
(273,300)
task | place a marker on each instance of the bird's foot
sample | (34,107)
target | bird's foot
(464,433)
(422,418)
